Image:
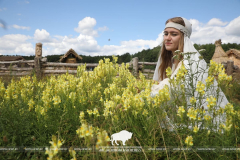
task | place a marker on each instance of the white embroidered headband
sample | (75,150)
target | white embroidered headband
(187,30)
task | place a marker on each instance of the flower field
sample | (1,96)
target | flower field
(84,110)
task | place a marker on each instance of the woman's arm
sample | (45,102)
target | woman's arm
(155,88)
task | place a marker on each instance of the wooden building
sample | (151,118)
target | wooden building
(234,55)
(219,55)
(70,57)
(11,58)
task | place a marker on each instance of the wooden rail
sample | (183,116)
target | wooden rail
(42,67)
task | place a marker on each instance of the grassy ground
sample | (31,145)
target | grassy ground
(69,126)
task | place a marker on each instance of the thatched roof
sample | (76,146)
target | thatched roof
(235,52)
(68,53)
(219,55)
(11,58)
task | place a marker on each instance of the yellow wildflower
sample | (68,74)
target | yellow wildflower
(211,102)
(209,81)
(192,100)
(95,112)
(181,111)
(207,117)
(181,73)
(31,104)
(56,100)
(192,113)
(55,145)
(168,72)
(145,112)
(195,129)
(81,116)
(90,112)
(72,153)
(189,141)
(200,88)
(229,108)
(102,139)
(227,127)
(72,96)
(85,130)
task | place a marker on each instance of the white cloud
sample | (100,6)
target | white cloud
(19,14)
(160,38)
(16,37)
(86,25)
(21,27)
(83,44)
(42,35)
(103,28)
(86,43)
(196,25)
(140,43)
(216,22)
(26,48)
(233,28)
(215,29)
(16,43)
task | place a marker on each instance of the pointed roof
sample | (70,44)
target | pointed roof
(219,55)
(235,52)
(70,51)
(236,57)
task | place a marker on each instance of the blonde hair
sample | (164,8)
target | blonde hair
(166,56)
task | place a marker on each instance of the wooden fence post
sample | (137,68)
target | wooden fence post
(229,67)
(37,67)
(135,65)
(37,60)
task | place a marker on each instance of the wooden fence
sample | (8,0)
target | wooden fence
(41,67)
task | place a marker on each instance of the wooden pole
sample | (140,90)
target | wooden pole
(37,60)
(135,66)
(230,67)
(37,67)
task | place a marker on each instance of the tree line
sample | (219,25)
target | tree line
(146,55)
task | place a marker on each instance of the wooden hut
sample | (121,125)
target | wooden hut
(70,57)
(11,58)
(219,55)
(234,55)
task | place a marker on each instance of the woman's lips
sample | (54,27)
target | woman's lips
(168,43)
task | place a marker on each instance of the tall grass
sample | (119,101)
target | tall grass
(83,111)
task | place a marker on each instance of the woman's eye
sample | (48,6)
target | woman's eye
(172,34)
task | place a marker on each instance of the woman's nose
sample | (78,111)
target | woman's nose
(168,37)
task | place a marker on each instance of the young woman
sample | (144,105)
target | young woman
(177,34)
(173,40)
(176,30)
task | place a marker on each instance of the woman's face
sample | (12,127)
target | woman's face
(171,39)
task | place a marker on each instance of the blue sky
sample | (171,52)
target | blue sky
(130,25)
